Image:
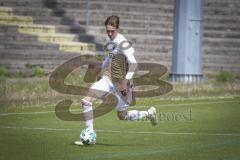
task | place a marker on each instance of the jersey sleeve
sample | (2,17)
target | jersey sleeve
(105,62)
(132,63)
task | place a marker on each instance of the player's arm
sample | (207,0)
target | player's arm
(105,62)
(104,65)
(132,65)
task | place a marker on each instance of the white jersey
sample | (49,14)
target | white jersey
(120,63)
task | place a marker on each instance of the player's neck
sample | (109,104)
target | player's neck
(114,37)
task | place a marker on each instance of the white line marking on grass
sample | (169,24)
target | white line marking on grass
(36,128)
(31,113)
(126,132)
(24,113)
(172,133)
(188,104)
(72,110)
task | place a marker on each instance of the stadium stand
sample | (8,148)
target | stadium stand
(147,23)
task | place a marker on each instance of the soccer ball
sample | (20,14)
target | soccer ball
(88,136)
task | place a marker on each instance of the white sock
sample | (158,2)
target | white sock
(88,115)
(134,115)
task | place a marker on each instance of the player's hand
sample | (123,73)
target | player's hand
(123,87)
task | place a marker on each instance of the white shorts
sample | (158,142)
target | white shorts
(105,85)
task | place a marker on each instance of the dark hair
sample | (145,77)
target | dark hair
(112,21)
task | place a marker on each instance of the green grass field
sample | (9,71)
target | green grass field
(188,129)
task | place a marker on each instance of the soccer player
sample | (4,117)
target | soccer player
(117,71)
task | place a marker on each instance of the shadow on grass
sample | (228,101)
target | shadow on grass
(102,144)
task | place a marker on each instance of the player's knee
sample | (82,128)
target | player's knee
(86,103)
(122,115)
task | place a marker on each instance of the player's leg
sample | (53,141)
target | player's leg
(135,115)
(87,110)
(98,89)
(88,115)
